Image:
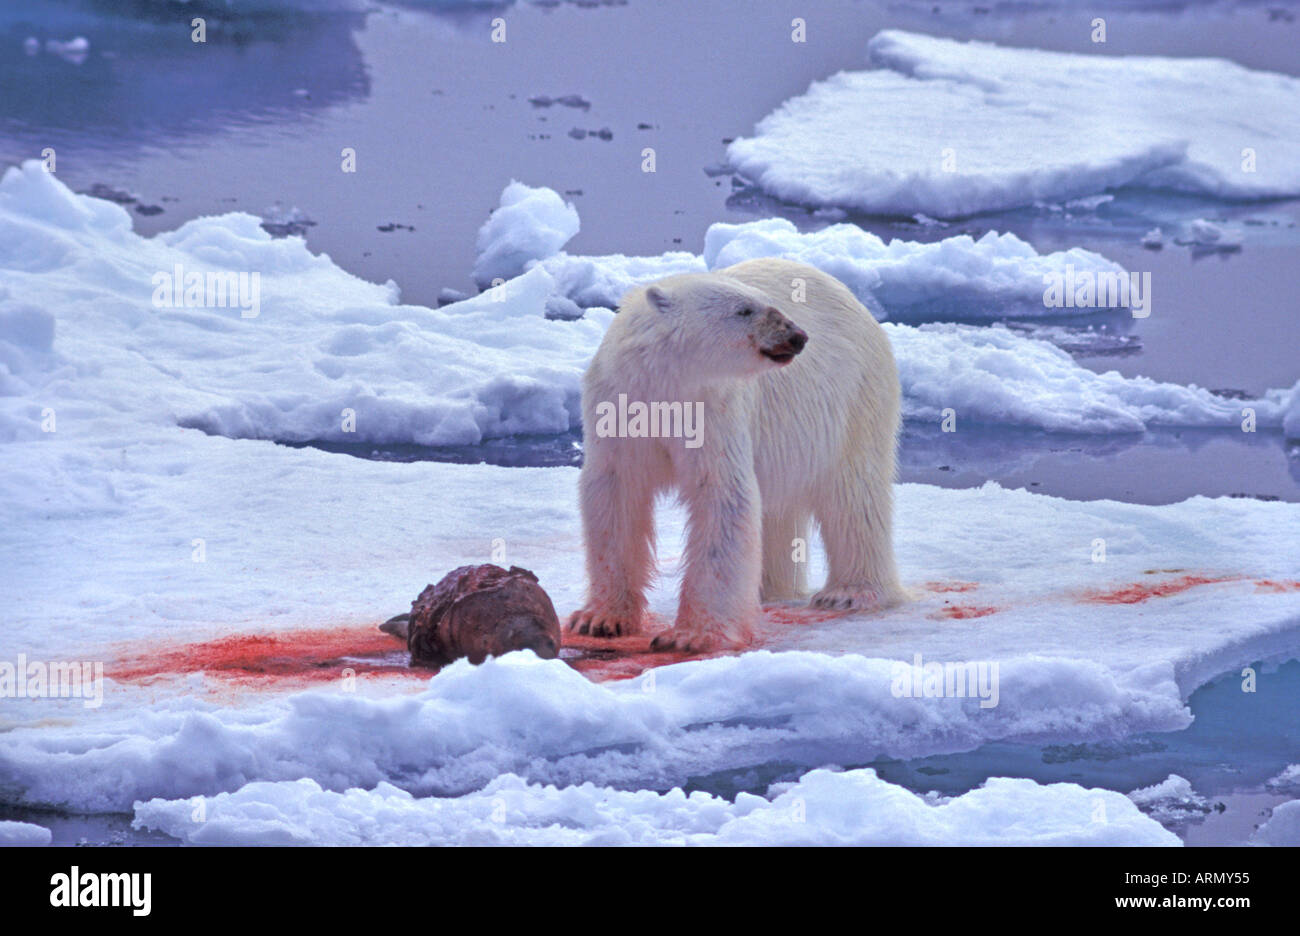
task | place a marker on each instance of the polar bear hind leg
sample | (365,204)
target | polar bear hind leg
(785,555)
(855,517)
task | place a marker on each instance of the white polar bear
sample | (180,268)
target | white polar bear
(786,435)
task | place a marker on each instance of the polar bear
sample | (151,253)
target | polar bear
(758,435)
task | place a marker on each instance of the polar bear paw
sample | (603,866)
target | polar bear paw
(848,598)
(694,638)
(604,622)
(678,640)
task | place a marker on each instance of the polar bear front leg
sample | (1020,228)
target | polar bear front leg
(618,530)
(719,600)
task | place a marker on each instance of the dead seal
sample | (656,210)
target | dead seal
(476,612)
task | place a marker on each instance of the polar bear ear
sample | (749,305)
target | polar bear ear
(658,298)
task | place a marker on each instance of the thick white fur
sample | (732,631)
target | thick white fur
(813,440)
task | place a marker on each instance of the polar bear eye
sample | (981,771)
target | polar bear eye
(746,311)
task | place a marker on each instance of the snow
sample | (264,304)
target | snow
(23,833)
(1288,781)
(545,721)
(1291,418)
(603,280)
(1173,788)
(950,129)
(72,50)
(529,224)
(1282,827)
(959,277)
(994,376)
(447,296)
(1203,233)
(822,808)
(1172,802)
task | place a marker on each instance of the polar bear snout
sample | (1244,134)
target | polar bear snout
(778,338)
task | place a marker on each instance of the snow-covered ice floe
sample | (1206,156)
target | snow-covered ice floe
(110,496)
(100,325)
(1282,827)
(961,277)
(1172,802)
(994,376)
(949,129)
(1288,781)
(822,808)
(529,224)
(23,833)
(1207,234)
(1084,650)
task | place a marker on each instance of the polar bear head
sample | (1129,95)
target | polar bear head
(723,327)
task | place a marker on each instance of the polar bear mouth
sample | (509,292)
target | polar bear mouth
(781,357)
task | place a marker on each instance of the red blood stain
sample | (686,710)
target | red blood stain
(797,617)
(1269,585)
(301,656)
(1144,591)
(606,659)
(607,664)
(603,659)
(966,612)
(952,586)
